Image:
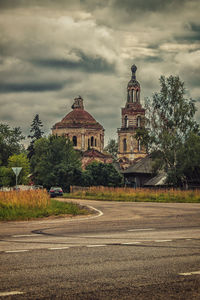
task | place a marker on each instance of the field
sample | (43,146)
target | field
(25,205)
(137,195)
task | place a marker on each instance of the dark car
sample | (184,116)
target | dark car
(55,191)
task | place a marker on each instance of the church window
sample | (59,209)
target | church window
(139,145)
(92,141)
(139,121)
(74,140)
(124,145)
(95,143)
(126,122)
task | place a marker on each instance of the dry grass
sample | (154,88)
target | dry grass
(138,195)
(26,205)
(26,199)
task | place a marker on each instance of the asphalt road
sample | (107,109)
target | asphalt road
(123,251)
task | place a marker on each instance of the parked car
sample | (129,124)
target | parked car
(55,191)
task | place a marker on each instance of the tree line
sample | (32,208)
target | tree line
(49,161)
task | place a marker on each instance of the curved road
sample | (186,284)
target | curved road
(123,251)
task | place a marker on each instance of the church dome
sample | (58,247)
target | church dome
(78,118)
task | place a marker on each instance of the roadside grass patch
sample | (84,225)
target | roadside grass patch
(137,195)
(26,205)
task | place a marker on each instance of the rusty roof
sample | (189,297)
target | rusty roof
(78,118)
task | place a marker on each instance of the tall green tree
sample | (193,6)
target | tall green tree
(97,174)
(170,118)
(10,142)
(6,176)
(55,163)
(112,148)
(188,163)
(36,134)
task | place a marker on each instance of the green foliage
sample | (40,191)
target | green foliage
(112,148)
(101,174)
(10,142)
(36,134)
(20,160)
(188,163)
(142,134)
(6,176)
(55,163)
(170,116)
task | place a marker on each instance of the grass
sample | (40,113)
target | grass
(26,205)
(137,195)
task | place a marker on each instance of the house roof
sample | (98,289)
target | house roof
(95,153)
(144,166)
(78,118)
(157,180)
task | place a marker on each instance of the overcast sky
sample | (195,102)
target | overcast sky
(52,51)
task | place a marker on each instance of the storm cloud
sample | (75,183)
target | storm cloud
(52,51)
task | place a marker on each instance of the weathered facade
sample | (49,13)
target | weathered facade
(81,128)
(132,118)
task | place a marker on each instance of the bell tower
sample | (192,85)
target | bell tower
(132,118)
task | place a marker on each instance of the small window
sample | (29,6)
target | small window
(74,140)
(124,145)
(139,145)
(92,141)
(139,121)
(126,122)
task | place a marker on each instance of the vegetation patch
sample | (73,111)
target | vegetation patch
(137,195)
(26,205)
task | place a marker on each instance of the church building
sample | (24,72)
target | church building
(132,118)
(86,134)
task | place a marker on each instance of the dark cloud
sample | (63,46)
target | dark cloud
(30,87)
(150,5)
(55,50)
(190,34)
(85,63)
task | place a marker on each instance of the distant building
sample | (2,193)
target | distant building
(86,134)
(132,118)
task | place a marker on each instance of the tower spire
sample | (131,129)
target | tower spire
(133,88)
(133,69)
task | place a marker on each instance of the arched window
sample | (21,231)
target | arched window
(74,140)
(124,145)
(126,122)
(92,141)
(95,142)
(139,121)
(139,145)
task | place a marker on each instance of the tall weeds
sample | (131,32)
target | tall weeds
(25,199)
(139,194)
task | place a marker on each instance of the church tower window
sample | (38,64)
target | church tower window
(124,145)
(139,145)
(74,140)
(126,122)
(139,121)
(92,141)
